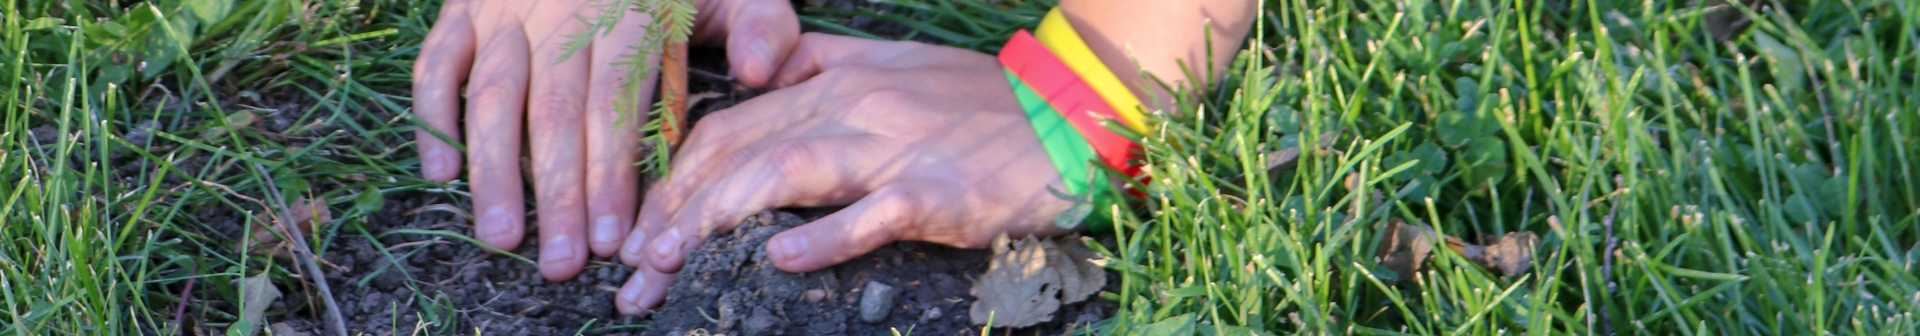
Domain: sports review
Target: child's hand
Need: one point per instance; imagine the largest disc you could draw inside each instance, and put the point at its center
(925, 142)
(506, 53)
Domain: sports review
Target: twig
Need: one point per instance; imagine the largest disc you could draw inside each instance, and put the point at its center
(304, 255)
(180, 313)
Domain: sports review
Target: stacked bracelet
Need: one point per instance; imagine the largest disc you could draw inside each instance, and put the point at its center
(1068, 150)
(1058, 35)
(1071, 96)
(1067, 93)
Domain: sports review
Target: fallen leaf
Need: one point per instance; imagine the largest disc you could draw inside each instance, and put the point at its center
(303, 213)
(1080, 269)
(256, 293)
(1018, 289)
(1405, 249)
(1512, 255)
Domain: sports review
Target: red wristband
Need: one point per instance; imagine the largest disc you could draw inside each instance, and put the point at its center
(1072, 97)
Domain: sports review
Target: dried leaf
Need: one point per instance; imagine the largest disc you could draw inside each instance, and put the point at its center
(1404, 249)
(1018, 289)
(1512, 255)
(256, 293)
(304, 213)
(1080, 269)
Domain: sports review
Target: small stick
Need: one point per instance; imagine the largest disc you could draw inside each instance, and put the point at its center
(304, 255)
(180, 313)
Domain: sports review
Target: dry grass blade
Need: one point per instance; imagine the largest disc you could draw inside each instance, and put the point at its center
(304, 255)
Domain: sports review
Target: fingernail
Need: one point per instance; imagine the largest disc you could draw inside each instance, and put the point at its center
(493, 222)
(431, 164)
(558, 248)
(606, 229)
(664, 246)
(787, 248)
(631, 293)
(632, 248)
(762, 51)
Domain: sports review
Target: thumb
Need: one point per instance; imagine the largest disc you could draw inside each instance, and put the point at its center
(758, 35)
(876, 220)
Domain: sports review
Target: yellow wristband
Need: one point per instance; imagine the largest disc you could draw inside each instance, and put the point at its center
(1060, 38)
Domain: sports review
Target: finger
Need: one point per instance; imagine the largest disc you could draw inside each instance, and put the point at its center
(717, 136)
(614, 117)
(759, 34)
(810, 172)
(645, 290)
(894, 212)
(497, 96)
(444, 59)
(556, 110)
(817, 52)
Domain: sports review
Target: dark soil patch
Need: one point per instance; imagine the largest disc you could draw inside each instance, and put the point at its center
(729, 287)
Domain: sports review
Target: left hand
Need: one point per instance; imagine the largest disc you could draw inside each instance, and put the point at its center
(925, 142)
(507, 56)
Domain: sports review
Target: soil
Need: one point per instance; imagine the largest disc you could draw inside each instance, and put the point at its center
(404, 284)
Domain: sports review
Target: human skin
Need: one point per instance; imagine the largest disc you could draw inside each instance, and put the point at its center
(920, 142)
(506, 56)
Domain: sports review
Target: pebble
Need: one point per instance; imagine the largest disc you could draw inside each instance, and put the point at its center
(930, 315)
(876, 302)
(815, 295)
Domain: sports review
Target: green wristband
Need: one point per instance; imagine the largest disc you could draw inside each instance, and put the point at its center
(1072, 156)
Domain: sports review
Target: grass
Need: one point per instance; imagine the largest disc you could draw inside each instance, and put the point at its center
(1681, 184)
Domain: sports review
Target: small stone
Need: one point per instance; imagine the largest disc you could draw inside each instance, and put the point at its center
(815, 295)
(1087, 318)
(876, 302)
(930, 314)
(282, 329)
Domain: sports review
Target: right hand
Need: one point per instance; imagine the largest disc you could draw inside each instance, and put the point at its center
(920, 142)
(505, 55)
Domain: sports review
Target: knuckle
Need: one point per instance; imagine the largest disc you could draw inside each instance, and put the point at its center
(491, 93)
(556, 102)
(554, 110)
(882, 99)
(790, 160)
(736, 160)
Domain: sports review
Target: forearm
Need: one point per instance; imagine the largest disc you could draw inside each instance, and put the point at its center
(1158, 36)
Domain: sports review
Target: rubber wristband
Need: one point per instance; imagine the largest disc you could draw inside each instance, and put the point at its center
(1069, 152)
(1058, 35)
(1077, 102)
(1065, 146)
